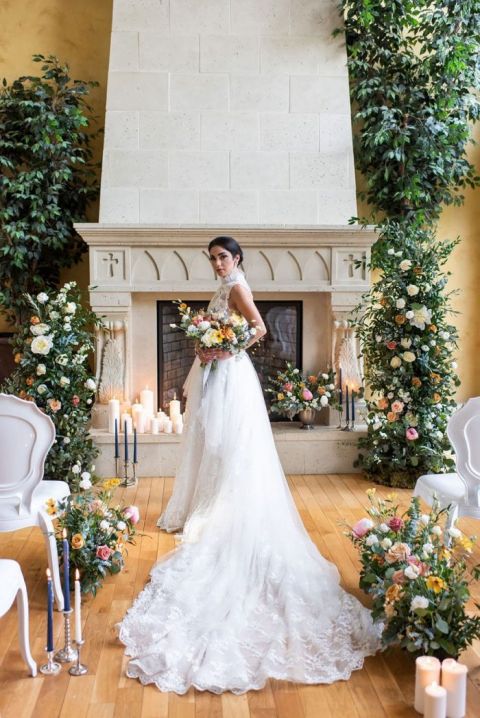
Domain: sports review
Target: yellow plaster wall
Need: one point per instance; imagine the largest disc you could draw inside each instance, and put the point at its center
(78, 31)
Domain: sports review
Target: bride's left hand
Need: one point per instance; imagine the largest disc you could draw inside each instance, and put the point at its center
(219, 354)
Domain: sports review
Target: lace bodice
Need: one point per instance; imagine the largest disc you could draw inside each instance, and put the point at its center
(219, 301)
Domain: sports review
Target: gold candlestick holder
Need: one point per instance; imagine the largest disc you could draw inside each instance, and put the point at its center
(67, 654)
(128, 480)
(51, 667)
(78, 669)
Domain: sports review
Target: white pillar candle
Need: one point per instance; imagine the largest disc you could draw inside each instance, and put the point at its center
(155, 425)
(126, 419)
(78, 610)
(178, 426)
(148, 423)
(435, 701)
(454, 680)
(427, 670)
(146, 400)
(138, 417)
(113, 413)
(174, 408)
(168, 426)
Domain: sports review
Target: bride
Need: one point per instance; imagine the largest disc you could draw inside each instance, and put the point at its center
(246, 596)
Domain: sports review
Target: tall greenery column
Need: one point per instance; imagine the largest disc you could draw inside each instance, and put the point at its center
(414, 69)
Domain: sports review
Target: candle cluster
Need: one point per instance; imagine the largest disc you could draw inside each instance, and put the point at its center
(346, 398)
(66, 596)
(443, 697)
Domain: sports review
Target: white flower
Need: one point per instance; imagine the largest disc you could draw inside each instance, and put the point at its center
(42, 298)
(324, 400)
(427, 548)
(42, 388)
(203, 326)
(418, 602)
(104, 525)
(454, 365)
(41, 345)
(425, 348)
(89, 401)
(433, 343)
(173, 326)
(425, 519)
(390, 251)
(66, 439)
(70, 308)
(296, 371)
(395, 362)
(121, 526)
(86, 475)
(371, 540)
(191, 328)
(378, 338)
(67, 327)
(454, 532)
(409, 357)
(384, 528)
(62, 359)
(210, 338)
(409, 314)
(64, 381)
(61, 298)
(421, 316)
(400, 303)
(38, 329)
(386, 543)
(41, 369)
(53, 314)
(412, 290)
(90, 385)
(406, 342)
(405, 265)
(412, 572)
(330, 387)
(437, 531)
(85, 484)
(76, 469)
(325, 376)
(390, 395)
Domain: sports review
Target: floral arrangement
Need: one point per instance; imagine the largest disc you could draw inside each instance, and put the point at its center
(294, 391)
(228, 331)
(415, 570)
(97, 531)
(51, 353)
(408, 340)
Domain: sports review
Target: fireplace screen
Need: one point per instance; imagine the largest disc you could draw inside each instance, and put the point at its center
(282, 343)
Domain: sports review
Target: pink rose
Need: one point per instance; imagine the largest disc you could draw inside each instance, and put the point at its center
(75, 400)
(132, 514)
(415, 561)
(398, 577)
(397, 406)
(395, 523)
(288, 386)
(391, 345)
(104, 552)
(411, 433)
(54, 404)
(362, 527)
(307, 394)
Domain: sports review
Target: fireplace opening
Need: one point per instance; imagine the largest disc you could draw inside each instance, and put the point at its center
(283, 342)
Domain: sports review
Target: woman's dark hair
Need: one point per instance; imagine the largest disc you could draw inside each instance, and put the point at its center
(228, 243)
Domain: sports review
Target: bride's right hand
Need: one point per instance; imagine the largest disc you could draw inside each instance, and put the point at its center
(205, 355)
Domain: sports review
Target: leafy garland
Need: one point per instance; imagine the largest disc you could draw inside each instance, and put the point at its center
(413, 68)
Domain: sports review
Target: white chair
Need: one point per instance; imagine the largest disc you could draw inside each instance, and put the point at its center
(461, 490)
(13, 587)
(26, 435)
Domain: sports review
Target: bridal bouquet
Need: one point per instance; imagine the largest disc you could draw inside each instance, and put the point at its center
(415, 570)
(294, 391)
(227, 331)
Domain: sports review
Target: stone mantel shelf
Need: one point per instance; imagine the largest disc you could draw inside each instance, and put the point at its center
(99, 234)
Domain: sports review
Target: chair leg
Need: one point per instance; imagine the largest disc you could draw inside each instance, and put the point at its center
(451, 516)
(52, 552)
(23, 628)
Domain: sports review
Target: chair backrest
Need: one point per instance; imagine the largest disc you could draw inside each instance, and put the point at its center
(26, 435)
(464, 433)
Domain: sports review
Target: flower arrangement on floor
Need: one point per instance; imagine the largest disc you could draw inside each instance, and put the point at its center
(294, 391)
(415, 570)
(97, 530)
(229, 332)
(51, 354)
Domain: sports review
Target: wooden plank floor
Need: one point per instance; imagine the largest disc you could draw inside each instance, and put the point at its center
(383, 689)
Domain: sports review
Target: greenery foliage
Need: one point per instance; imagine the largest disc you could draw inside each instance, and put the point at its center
(47, 179)
(51, 354)
(414, 68)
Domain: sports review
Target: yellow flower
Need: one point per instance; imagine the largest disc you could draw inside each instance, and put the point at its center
(445, 554)
(371, 492)
(77, 541)
(393, 593)
(182, 306)
(435, 583)
(51, 505)
(280, 396)
(464, 543)
(392, 496)
(18, 358)
(110, 484)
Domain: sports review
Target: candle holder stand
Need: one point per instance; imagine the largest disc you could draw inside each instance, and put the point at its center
(78, 669)
(128, 480)
(117, 466)
(340, 417)
(51, 667)
(67, 654)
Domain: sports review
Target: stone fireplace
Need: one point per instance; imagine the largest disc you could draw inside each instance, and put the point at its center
(225, 117)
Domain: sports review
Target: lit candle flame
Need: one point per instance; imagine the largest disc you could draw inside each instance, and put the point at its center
(49, 575)
(64, 533)
(77, 575)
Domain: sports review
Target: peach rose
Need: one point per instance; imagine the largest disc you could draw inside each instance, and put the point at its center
(34, 319)
(55, 405)
(393, 592)
(400, 319)
(391, 416)
(77, 541)
(382, 403)
(398, 552)
(416, 382)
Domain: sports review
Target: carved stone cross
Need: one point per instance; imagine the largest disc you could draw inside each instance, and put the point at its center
(112, 262)
(351, 260)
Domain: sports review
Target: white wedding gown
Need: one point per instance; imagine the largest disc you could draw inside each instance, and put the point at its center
(246, 596)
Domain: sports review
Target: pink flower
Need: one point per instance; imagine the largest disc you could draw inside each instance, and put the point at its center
(132, 514)
(397, 406)
(307, 394)
(411, 433)
(288, 386)
(55, 405)
(395, 523)
(398, 577)
(104, 552)
(422, 567)
(75, 400)
(391, 344)
(362, 527)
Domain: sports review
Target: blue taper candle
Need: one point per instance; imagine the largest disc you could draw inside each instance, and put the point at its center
(135, 459)
(49, 611)
(340, 388)
(117, 452)
(347, 403)
(125, 441)
(353, 405)
(66, 572)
